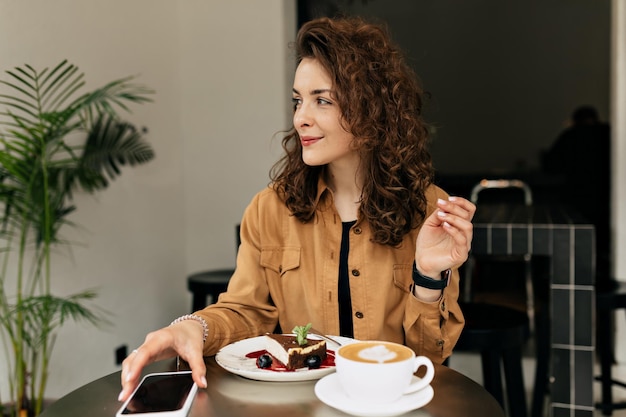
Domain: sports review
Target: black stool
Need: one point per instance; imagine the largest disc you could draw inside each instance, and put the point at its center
(207, 283)
(498, 333)
(607, 301)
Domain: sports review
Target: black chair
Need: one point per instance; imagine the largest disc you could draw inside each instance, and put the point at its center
(498, 321)
(608, 300)
(210, 283)
(498, 333)
(515, 291)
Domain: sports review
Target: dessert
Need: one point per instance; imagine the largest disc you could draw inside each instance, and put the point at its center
(296, 351)
(285, 349)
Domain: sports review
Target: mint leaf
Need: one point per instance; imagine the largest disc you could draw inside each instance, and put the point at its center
(301, 333)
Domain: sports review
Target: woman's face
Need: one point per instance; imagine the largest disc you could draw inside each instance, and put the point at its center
(317, 117)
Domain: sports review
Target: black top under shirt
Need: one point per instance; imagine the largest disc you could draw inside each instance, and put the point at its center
(345, 302)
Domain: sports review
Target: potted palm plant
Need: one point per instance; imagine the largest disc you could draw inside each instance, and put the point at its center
(54, 141)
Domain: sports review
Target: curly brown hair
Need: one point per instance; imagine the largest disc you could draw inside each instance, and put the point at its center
(381, 104)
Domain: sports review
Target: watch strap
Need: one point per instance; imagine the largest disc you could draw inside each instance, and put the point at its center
(430, 283)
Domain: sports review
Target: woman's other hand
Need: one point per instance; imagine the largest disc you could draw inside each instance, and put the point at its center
(446, 237)
(184, 339)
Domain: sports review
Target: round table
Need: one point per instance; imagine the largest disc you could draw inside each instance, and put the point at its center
(233, 396)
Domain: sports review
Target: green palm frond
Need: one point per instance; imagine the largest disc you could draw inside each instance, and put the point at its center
(46, 99)
(110, 145)
(37, 93)
(45, 313)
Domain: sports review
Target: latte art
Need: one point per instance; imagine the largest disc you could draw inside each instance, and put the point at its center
(378, 353)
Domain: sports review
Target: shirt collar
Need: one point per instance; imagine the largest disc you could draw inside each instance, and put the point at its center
(322, 188)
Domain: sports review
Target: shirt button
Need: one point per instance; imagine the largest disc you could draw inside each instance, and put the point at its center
(359, 315)
(357, 230)
(439, 342)
(356, 272)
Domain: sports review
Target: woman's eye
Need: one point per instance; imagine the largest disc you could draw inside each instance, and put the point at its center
(323, 101)
(296, 102)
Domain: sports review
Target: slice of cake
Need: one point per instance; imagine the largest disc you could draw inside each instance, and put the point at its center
(287, 350)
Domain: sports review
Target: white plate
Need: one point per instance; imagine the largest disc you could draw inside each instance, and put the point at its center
(330, 393)
(233, 359)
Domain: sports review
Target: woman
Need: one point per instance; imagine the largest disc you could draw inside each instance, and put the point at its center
(351, 236)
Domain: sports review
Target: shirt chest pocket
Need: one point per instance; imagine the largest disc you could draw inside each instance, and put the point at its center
(280, 260)
(403, 277)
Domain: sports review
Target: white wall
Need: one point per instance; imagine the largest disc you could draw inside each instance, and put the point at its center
(618, 122)
(236, 86)
(219, 68)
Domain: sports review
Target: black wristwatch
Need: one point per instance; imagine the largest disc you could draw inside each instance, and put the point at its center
(431, 284)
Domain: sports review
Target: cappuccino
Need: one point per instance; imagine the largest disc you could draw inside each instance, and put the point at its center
(378, 372)
(376, 352)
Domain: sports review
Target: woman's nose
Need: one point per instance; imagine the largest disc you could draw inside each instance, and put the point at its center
(302, 117)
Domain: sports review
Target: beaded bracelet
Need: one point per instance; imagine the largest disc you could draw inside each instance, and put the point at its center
(205, 327)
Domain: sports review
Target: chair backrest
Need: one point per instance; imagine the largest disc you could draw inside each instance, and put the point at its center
(503, 191)
(511, 184)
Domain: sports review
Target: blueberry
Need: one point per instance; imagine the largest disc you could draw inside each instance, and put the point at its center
(264, 361)
(313, 362)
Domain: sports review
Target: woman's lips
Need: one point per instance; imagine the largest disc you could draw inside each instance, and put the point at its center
(309, 140)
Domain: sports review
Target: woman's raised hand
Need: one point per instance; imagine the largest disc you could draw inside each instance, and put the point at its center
(445, 238)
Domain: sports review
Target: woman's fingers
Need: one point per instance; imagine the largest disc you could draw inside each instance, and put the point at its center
(457, 214)
(184, 339)
(458, 206)
(446, 236)
(131, 371)
(158, 345)
(198, 370)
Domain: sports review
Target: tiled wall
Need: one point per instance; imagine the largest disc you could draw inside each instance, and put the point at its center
(570, 247)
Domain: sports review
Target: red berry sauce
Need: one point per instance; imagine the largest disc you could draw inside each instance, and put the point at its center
(277, 366)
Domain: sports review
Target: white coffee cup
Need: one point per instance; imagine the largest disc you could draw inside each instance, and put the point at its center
(378, 372)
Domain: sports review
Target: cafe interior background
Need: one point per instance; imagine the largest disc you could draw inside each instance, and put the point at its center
(504, 76)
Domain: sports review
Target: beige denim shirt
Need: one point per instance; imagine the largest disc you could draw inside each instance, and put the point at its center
(287, 275)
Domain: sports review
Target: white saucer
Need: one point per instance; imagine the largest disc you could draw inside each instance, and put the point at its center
(330, 393)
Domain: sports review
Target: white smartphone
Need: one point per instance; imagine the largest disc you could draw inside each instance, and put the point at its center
(165, 394)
